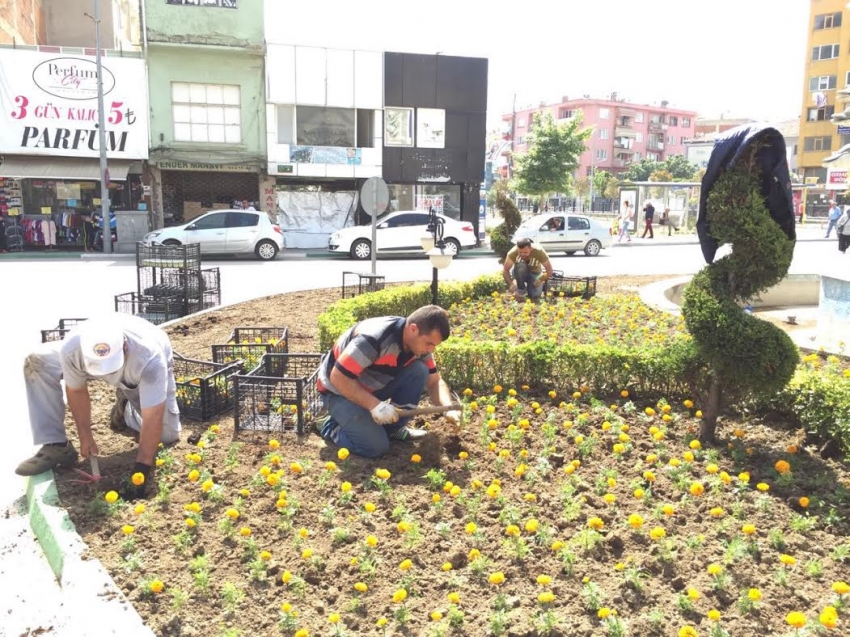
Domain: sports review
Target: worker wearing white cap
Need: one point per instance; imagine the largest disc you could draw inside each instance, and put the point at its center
(125, 351)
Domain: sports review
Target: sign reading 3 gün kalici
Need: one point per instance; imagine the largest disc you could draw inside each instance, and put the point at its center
(48, 105)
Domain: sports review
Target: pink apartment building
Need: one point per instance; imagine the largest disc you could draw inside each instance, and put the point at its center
(623, 133)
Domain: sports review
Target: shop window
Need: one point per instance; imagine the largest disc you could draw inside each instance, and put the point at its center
(285, 130)
(206, 113)
(444, 199)
(430, 128)
(321, 126)
(398, 126)
(365, 128)
(401, 197)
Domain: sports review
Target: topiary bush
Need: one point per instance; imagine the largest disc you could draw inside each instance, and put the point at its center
(500, 236)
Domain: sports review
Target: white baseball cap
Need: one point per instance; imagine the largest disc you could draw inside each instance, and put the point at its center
(102, 345)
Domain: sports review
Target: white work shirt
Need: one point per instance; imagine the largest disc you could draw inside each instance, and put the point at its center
(148, 371)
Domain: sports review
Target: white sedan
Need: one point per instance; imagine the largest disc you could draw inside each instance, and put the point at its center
(226, 232)
(400, 233)
(562, 232)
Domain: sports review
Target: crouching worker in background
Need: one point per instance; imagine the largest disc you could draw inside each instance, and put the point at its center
(375, 364)
(124, 351)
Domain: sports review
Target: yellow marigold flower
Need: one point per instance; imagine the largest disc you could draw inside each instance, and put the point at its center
(454, 598)
(271, 480)
(207, 485)
(530, 497)
(715, 569)
(804, 502)
(639, 493)
(435, 498)
(156, 586)
(497, 389)
(245, 531)
(546, 597)
(512, 530)
(557, 545)
(416, 458)
(345, 487)
(635, 521)
(383, 474)
(405, 565)
(609, 498)
(372, 541)
(463, 455)
(286, 577)
(233, 514)
(828, 617)
(381, 622)
(693, 594)
(674, 462)
(296, 467)
(649, 476)
(738, 433)
(447, 566)
(725, 477)
(274, 444)
(651, 458)
(649, 411)
(306, 554)
(619, 448)
(595, 523)
(265, 471)
(698, 414)
(471, 528)
(403, 526)
(333, 618)
(275, 460)
(369, 507)
(787, 559)
(689, 404)
(474, 554)
(695, 445)
(468, 392)
(139, 509)
(265, 556)
(712, 468)
(754, 594)
(493, 491)
(531, 526)
(716, 512)
(160, 462)
(330, 465)
(496, 578)
(744, 477)
(795, 619)
(688, 631)
(455, 491)
(190, 523)
(697, 489)
(714, 615)
(361, 587)
(624, 393)
(436, 616)
(658, 533)
(399, 596)
(782, 466)
(842, 588)
(138, 478)
(603, 613)
(342, 454)
(688, 456)
(303, 533)
(244, 493)
(748, 529)
(612, 482)
(194, 475)
(792, 449)
(128, 529)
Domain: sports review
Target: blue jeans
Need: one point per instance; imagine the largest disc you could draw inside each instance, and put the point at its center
(526, 279)
(352, 427)
(831, 225)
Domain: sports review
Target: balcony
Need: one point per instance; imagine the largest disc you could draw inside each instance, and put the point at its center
(654, 146)
(622, 131)
(626, 111)
(623, 148)
(656, 127)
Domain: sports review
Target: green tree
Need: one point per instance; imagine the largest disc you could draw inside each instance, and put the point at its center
(582, 186)
(680, 168)
(661, 175)
(548, 165)
(500, 236)
(601, 179)
(642, 170)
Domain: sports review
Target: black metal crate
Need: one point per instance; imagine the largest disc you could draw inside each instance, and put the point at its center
(58, 333)
(274, 403)
(250, 344)
(204, 389)
(354, 283)
(156, 310)
(571, 286)
(184, 257)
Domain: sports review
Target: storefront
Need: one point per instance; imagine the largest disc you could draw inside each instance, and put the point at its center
(444, 199)
(50, 177)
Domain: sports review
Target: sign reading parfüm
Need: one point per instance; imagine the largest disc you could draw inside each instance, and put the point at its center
(71, 78)
(221, 4)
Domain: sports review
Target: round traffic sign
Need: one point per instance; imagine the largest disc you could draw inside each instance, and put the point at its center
(374, 196)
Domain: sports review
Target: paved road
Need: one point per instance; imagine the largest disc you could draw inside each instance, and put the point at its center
(36, 293)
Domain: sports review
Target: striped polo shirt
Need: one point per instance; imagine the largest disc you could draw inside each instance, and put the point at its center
(372, 351)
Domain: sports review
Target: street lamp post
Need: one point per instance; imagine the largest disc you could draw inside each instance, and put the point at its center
(435, 248)
(101, 132)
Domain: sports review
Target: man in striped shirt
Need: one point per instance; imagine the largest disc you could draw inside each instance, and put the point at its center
(377, 362)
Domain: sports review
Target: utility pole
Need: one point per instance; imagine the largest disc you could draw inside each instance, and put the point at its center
(513, 141)
(101, 125)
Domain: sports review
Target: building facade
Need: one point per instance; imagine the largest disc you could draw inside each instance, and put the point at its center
(623, 133)
(827, 70)
(22, 22)
(207, 105)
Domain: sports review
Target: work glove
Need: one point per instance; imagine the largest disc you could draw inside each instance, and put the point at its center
(512, 288)
(130, 491)
(454, 417)
(384, 413)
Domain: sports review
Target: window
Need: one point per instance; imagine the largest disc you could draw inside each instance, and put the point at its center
(825, 52)
(686, 122)
(398, 126)
(639, 117)
(671, 139)
(639, 138)
(520, 140)
(604, 113)
(813, 144)
(820, 114)
(566, 113)
(206, 113)
(212, 222)
(577, 223)
(521, 122)
(602, 154)
(673, 120)
(652, 156)
(636, 156)
(827, 21)
(603, 133)
(822, 82)
(322, 126)
(430, 128)
(242, 219)
(285, 124)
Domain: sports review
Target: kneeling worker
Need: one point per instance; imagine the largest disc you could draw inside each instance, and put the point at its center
(523, 269)
(124, 351)
(377, 362)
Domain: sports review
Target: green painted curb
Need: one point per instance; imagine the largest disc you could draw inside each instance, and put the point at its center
(55, 532)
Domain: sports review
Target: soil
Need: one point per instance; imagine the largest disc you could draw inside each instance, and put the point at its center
(630, 570)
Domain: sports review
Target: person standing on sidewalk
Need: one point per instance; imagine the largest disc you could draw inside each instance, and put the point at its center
(375, 363)
(843, 229)
(625, 219)
(834, 216)
(648, 216)
(124, 351)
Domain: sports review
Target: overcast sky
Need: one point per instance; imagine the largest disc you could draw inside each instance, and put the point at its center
(744, 58)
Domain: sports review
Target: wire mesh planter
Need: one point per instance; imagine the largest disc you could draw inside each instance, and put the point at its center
(156, 310)
(354, 283)
(204, 389)
(59, 332)
(183, 257)
(272, 403)
(250, 344)
(570, 286)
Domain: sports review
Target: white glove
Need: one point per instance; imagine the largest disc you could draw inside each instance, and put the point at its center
(384, 413)
(453, 417)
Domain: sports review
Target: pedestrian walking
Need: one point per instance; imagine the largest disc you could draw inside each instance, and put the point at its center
(834, 216)
(625, 219)
(843, 228)
(648, 216)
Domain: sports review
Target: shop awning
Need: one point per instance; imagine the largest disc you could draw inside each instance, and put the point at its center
(18, 167)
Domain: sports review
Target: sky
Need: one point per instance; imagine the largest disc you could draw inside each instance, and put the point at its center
(741, 58)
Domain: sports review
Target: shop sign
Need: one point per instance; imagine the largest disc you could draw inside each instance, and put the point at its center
(204, 167)
(836, 179)
(221, 4)
(426, 202)
(48, 105)
(325, 155)
(285, 169)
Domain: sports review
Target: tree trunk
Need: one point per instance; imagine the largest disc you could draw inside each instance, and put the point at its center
(708, 426)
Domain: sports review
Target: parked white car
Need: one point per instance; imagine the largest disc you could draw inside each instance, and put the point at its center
(226, 232)
(400, 233)
(562, 232)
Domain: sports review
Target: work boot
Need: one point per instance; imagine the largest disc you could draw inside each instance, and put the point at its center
(116, 417)
(408, 434)
(48, 457)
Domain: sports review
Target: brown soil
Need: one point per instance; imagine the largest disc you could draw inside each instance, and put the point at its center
(337, 528)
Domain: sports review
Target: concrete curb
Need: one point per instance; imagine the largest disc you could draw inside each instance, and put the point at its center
(83, 578)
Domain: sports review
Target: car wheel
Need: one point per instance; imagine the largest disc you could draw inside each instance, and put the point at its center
(361, 249)
(592, 248)
(266, 250)
(171, 242)
(452, 246)
(570, 253)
